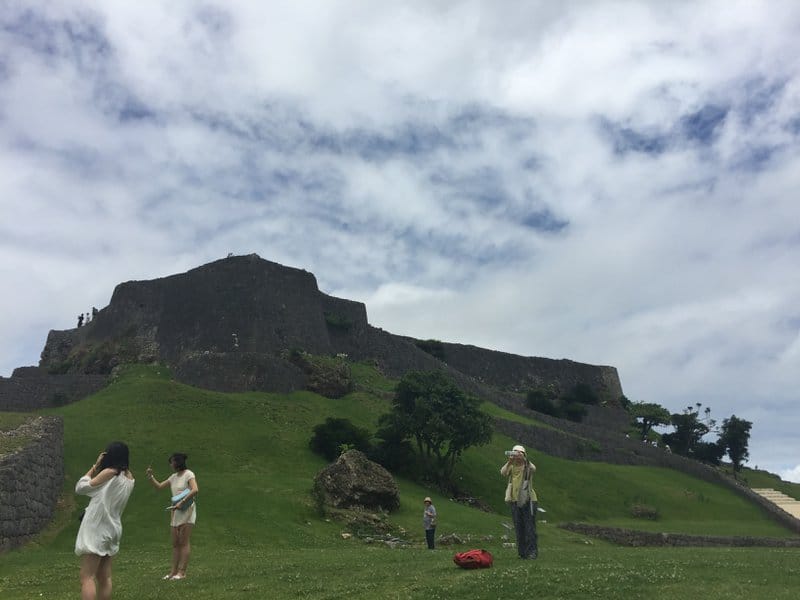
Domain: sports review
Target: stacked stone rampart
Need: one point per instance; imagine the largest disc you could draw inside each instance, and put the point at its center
(521, 373)
(30, 480)
(31, 388)
(239, 372)
(245, 305)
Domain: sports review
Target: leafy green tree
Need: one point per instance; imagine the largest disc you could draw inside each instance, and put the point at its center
(734, 439)
(647, 415)
(442, 421)
(433, 347)
(334, 434)
(708, 452)
(690, 428)
(395, 452)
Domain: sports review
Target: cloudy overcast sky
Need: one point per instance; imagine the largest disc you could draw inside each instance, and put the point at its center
(610, 182)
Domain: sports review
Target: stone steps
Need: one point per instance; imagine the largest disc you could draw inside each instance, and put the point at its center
(787, 503)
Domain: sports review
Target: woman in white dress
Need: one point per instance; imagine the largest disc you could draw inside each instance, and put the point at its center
(184, 512)
(109, 484)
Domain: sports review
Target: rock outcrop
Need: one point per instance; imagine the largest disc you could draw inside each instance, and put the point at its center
(354, 481)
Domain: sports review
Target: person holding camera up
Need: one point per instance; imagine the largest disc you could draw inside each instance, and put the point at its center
(109, 484)
(521, 496)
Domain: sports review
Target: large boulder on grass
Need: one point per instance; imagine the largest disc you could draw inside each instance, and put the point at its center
(355, 481)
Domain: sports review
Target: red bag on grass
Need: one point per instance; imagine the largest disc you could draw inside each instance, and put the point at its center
(473, 559)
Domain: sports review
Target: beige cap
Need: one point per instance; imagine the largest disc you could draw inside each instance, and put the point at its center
(427, 499)
(519, 448)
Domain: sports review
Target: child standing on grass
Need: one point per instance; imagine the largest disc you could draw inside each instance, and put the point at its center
(184, 512)
(109, 484)
(429, 522)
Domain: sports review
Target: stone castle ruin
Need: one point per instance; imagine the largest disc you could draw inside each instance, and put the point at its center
(238, 324)
(247, 324)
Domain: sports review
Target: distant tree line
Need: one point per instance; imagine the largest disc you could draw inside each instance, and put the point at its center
(690, 427)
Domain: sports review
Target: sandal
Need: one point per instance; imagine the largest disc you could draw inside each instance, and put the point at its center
(167, 576)
(176, 577)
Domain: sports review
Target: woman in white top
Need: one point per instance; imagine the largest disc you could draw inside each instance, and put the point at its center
(184, 512)
(109, 484)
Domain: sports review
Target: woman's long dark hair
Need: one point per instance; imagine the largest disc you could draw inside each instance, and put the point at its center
(116, 457)
(179, 458)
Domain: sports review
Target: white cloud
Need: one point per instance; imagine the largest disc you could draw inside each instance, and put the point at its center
(538, 178)
(791, 474)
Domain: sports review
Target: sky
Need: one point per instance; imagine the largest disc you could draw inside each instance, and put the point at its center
(609, 181)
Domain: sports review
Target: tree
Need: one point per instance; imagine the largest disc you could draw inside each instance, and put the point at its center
(689, 429)
(330, 436)
(708, 452)
(734, 439)
(443, 421)
(647, 415)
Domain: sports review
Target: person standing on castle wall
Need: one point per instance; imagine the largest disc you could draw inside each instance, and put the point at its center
(521, 497)
(80, 320)
(429, 522)
(109, 484)
(184, 512)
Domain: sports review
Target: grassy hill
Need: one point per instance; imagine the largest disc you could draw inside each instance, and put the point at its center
(259, 536)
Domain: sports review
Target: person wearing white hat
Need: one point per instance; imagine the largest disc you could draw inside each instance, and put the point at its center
(429, 521)
(522, 499)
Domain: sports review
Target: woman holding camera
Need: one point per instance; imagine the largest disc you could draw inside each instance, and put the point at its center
(109, 484)
(184, 512)
(521, 496)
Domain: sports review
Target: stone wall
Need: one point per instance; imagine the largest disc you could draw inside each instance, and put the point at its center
(239, 372)
(31, 388)
(30, 480)
(245, 304)
(630, 537)
(521, 373)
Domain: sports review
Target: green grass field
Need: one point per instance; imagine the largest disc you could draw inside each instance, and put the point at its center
(258, 534)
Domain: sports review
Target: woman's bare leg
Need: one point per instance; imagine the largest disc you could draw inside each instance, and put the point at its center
(89, 566)
(176, 550)
(185, 547)
(103, 577)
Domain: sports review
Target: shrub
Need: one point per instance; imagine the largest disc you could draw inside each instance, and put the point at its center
(336, 321)
(541, 400)
(334, 434)
(582, 393)
(395, 454)
(433, 347)
(587, 448)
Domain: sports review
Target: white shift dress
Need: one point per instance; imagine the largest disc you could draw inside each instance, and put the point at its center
(177, 483)
(101, 527)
